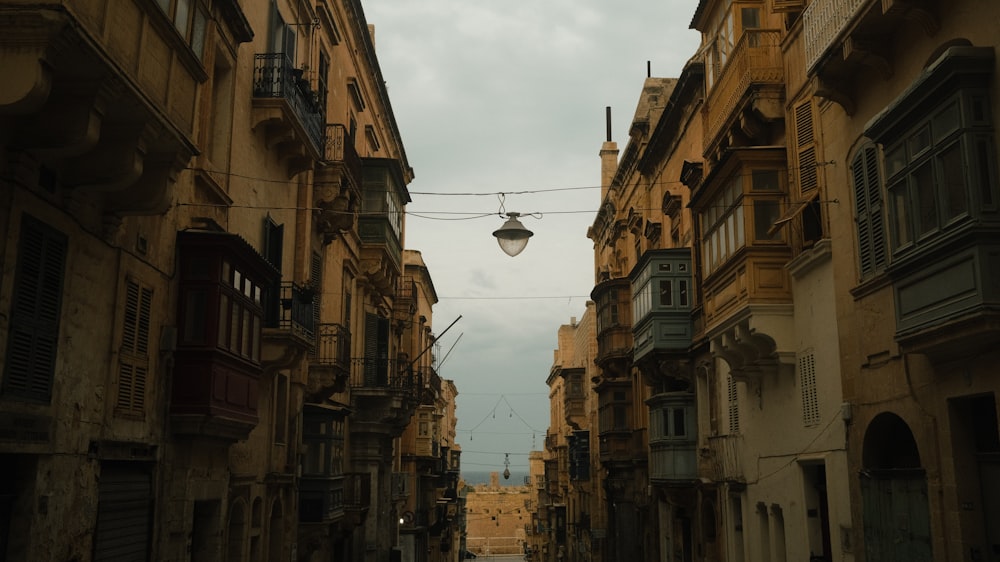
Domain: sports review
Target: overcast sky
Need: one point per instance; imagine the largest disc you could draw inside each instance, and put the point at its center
(505, 97)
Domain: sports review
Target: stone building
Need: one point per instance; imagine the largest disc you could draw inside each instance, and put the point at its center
(496, 518)
(208, 350)
(801, 369)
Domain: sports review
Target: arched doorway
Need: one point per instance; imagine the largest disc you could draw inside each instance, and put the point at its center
(894, 493)
(276, 531)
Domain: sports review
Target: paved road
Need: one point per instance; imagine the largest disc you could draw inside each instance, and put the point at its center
(500, 558)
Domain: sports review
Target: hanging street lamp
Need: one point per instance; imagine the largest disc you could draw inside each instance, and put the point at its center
(513, 236)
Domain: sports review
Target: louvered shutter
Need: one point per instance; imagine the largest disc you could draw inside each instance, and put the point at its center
(371, 349)
(133, 368)
(316, 281)
(37, 304)
(868, 210)
(805, 148)
(274, 235)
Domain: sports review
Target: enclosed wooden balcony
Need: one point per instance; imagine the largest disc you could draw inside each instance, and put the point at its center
(614, 325)
(673, 437)
(218, 365)
(749, 93)
(384, 196)
(288, 110)
(842, 36)
(662, 283)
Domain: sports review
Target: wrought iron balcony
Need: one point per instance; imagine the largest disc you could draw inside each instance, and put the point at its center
(276, 79)
(340, 150)
(291, 311)
(330, 362)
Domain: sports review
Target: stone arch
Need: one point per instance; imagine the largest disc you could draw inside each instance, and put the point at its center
(276, 532)
(236, 530)
(895, 510)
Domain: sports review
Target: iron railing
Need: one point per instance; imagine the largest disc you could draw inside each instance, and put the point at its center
(385, 374)
(333, 346)
(340, 148)
(275, 77)
(290, 308)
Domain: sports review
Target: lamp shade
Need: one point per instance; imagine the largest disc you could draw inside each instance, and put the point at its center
(512, 236)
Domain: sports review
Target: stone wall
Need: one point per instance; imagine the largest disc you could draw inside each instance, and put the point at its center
(496, 517)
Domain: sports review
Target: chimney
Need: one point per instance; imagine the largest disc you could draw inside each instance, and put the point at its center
(609, 157)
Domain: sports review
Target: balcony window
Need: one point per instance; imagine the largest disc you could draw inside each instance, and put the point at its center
(935, 171)
(221, 294)
(939, 152)
(189, 18)
(323, 437)
(721, 35)
(722, 224)
(607, 309)
(724, 228)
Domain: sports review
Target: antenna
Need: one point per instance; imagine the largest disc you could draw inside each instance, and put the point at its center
(649, 70)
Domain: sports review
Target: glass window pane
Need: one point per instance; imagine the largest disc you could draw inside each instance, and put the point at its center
(984, 170)
(750, 17)
(920, 141)
(900, 215)
(682, 290)
(234, 328)
(194, 317)
(223, 320)
(927, 204)
(765, 213)
(198, 34)
(679, 427)
(946, 121)
(895, 160)
(740, 239)
(764, 180)
(953, 181)
(666, 293)
(181, 16)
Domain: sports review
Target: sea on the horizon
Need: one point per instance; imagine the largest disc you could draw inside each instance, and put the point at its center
(517, 478)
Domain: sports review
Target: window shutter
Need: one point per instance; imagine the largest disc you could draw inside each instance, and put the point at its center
(807, 383)
(316, 281)
(371, 348)
(805, 148)
(37, 304)
(133, 359)
(868, 209)
(734, 407)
